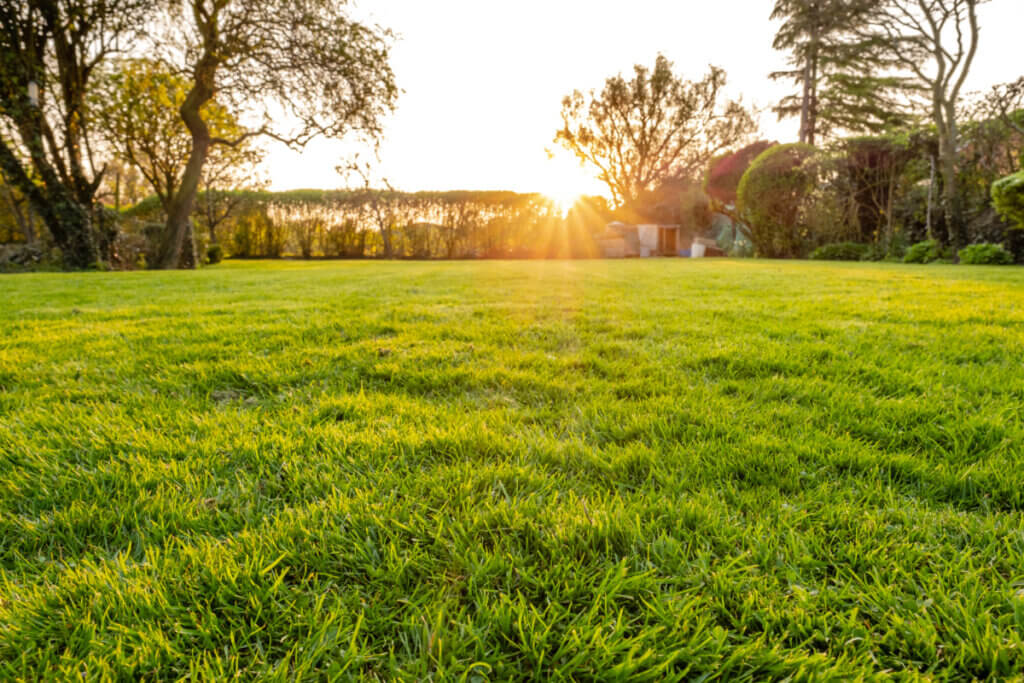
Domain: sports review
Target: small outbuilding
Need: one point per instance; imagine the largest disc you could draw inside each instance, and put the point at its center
(623, 240)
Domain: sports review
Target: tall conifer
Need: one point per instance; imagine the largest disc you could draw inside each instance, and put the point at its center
(845, 83)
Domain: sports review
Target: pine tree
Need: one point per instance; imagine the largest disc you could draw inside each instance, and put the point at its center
(842, 77)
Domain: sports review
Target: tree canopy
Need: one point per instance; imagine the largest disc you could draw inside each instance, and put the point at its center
(327, 72)
(638, 133)
(846, 81)
(135, 105)
(49, 53)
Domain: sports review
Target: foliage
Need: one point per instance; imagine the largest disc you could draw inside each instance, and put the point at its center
(1006, 101)
(722, 179)
(135, 104)
(841, 251)
(50, 51)
(346, 224)
(843, 76)
(990, 151)
(638, 133)
(928, 251)
(214, 254)
(18, 222)
(1008, 198)
(329, 74)
(985, 255)
(770, 199)
(874, 166)
(408, 471)
(935, 43)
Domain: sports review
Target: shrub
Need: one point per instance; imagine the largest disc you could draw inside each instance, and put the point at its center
(985, 255)
(214, 254)
(928, 251)
(770, 196)
(1008, 198)
(841, 251)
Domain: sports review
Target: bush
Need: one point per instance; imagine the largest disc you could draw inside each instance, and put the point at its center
(770, 198)
(841, 251)
(1008, 198)
(985, 255)
(214, 254)
(928, 251)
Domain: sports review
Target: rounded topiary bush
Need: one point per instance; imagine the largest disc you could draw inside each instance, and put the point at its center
(770, 196)
(985, 255)
(841, 251)
(1008, 197)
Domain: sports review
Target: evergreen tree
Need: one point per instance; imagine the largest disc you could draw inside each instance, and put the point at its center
(841, 75)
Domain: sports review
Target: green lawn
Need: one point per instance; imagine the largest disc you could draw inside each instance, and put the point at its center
(671, 469)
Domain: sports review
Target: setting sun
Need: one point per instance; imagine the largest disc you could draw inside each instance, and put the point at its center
(564, 199)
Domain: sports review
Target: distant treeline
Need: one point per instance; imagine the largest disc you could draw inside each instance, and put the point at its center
(369, 223)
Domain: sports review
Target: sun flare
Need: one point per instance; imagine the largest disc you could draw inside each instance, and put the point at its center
(564, 199)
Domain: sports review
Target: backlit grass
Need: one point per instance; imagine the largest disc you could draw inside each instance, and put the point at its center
(636, 470)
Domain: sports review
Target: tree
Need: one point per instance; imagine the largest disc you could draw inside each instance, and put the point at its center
(656, 126)
(873, 166)
(1007, 102)
(136, 105)
(936, 42)
(836, 70)
(725, 172)
(49, 52)
(383, 211)
(327, 73)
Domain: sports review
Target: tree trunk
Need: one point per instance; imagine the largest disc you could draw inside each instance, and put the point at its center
(805, 105)
(888, 210)
(812, 103)
(930, 231)
(69, 223)
(950, 195)
(177, 249)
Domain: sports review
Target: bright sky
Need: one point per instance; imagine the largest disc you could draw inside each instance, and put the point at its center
(483, 81)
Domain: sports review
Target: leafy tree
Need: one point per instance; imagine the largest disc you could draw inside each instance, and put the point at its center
(724, 173)
(837, 71)
(135, 106)
(640, 132)
(935, 41)
(326, 72)
(874, 166)
(49, 53)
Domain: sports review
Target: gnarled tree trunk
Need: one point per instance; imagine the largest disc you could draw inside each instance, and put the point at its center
(177, 249)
